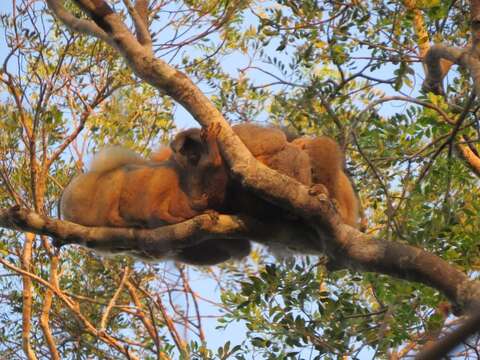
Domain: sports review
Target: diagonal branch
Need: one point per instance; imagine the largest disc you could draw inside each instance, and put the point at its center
(442, 347)
(113, 300)
(111, 24)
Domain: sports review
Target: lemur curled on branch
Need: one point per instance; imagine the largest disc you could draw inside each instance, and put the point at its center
(312, 161)
(123, 189)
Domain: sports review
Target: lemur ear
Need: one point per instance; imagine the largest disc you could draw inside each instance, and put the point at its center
(188, 145)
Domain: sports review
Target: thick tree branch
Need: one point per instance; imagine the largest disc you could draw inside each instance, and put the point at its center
(475, 16)
(361, 252)
(468, 58)
(162, 242)
(75, 24)
(423, 41)
(471, 158)
(438, 60)
(435, 72)
(355, 250)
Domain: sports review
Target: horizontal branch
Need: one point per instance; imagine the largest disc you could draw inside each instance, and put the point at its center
(162, 242)
(349, 249)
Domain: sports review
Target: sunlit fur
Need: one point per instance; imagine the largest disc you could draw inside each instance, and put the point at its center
(327, 161)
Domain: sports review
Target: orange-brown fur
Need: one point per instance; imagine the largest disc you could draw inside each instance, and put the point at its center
(315, 162)
(270, 146)
(206, 182)
(126, 190)
(161, 154)
(327, 161)
(145, 195)
(176, 184)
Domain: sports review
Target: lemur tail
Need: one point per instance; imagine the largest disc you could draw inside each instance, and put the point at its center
(113, 157)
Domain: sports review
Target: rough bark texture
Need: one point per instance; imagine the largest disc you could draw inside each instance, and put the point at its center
(353, 250)
(475, 12)
(163, 242)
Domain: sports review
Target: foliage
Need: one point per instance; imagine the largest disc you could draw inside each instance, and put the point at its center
(315, 67)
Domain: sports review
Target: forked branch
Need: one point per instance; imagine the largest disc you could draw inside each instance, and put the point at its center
(468, 57)
(75, 24)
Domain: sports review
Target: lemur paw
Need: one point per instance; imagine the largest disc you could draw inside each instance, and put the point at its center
(214, 215)
(317, 189)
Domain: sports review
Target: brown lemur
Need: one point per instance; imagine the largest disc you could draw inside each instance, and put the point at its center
(122, 189)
